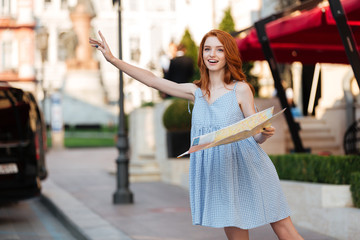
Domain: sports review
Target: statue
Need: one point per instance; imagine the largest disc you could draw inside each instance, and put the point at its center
(79, 52)
(68, 41)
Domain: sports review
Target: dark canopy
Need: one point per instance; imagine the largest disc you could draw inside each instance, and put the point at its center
(308, 36)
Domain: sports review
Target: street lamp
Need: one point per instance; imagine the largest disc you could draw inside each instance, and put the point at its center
(122, 193)
(42, 37)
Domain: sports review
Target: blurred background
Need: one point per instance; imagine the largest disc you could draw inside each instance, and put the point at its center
(69, 88)
(44, 49)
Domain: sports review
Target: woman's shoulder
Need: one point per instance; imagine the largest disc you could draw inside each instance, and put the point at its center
(192, 88)
(243, 92)
(242, 86)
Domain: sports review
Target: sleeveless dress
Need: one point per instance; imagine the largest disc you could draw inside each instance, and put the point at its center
(234, 184)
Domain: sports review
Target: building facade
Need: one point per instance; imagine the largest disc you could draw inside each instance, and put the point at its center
(17, 43)
(148, 27)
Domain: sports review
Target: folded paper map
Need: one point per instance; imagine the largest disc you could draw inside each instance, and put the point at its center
(238, 131)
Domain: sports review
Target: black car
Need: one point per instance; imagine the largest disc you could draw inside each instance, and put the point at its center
(22, 145)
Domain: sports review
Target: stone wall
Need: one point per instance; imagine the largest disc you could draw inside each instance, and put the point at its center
(325, 208)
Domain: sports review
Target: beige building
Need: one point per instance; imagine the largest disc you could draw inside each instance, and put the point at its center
(17, 43)
(148, 26)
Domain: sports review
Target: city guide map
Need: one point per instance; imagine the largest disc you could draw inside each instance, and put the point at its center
(238, 131)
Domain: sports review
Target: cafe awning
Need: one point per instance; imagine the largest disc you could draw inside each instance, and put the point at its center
(315, 31)
(308, 36)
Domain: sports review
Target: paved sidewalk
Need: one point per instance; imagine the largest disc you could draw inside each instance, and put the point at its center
(79, 190)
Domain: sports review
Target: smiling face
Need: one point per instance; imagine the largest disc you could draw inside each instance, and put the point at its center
(218, 52)
(213, 54)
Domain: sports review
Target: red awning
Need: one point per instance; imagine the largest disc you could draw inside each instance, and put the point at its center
(309, 36)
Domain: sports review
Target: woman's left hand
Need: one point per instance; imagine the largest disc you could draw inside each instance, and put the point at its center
(268, 132)
(102, 46)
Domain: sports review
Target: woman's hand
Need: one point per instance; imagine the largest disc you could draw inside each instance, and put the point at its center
(184, 90)
(102, 46)
(265, 134)
(268, 132)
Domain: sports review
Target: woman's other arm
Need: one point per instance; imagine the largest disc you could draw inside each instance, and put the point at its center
(246, 101)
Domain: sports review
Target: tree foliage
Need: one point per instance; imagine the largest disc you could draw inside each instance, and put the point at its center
(283, 4)
(191, 51)
(227, 24)
(190, 45)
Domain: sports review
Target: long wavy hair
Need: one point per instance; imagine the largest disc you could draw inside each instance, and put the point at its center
(233, 66)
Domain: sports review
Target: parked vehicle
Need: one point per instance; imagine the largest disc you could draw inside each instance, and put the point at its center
(22, 145)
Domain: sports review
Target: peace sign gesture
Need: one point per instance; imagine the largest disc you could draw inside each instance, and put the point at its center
(102, 46)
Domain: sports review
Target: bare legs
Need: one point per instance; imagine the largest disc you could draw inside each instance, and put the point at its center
(234, 233)
(284, 229)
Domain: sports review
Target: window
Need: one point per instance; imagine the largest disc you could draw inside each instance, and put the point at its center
(5, 7)
(64, 4)
(172, 5)
(135, 49)
(158, 5)
(47, 3)
(8, 51)
(134, 5)
(7, 56)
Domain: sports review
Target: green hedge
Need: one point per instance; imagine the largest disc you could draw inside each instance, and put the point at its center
(315, 168)
(321, 169)
(355, 188)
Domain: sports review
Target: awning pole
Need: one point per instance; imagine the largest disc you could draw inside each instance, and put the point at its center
(294, 127)
(313, 90)
(347, 37)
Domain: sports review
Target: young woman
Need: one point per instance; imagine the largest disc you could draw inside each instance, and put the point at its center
(233, 186)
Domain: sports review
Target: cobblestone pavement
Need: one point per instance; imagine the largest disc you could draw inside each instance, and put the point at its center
(81, 187)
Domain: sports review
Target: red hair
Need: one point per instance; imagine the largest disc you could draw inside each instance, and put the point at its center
(233, 67)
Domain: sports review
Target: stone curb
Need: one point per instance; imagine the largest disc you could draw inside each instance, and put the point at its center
(69, 225)
(83, 223)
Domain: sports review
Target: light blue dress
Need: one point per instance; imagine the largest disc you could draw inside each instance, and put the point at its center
(234, 184)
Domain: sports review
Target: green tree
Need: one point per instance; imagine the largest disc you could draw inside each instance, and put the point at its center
(252, 79)
(283, 4)
(190, 45)
(191, 51)
(228, 25)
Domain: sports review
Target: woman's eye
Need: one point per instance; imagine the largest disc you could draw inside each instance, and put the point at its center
(220, 50)
(206, 49)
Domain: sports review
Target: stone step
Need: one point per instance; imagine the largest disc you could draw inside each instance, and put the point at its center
(319, 127)
(319, 147)
(311, 123)
(144, 165)
(144, 169)
(311, 135)
(309, 120)
(141, 175)
(319, 144)
(316, 135)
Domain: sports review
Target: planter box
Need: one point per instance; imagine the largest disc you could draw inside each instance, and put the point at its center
(317, 195)
(325, 208)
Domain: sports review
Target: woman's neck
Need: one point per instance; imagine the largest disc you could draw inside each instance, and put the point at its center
(216, 79)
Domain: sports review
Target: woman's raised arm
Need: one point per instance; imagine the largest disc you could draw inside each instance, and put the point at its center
(184, 90)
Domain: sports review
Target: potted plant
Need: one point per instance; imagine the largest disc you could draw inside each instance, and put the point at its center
(177, 121)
